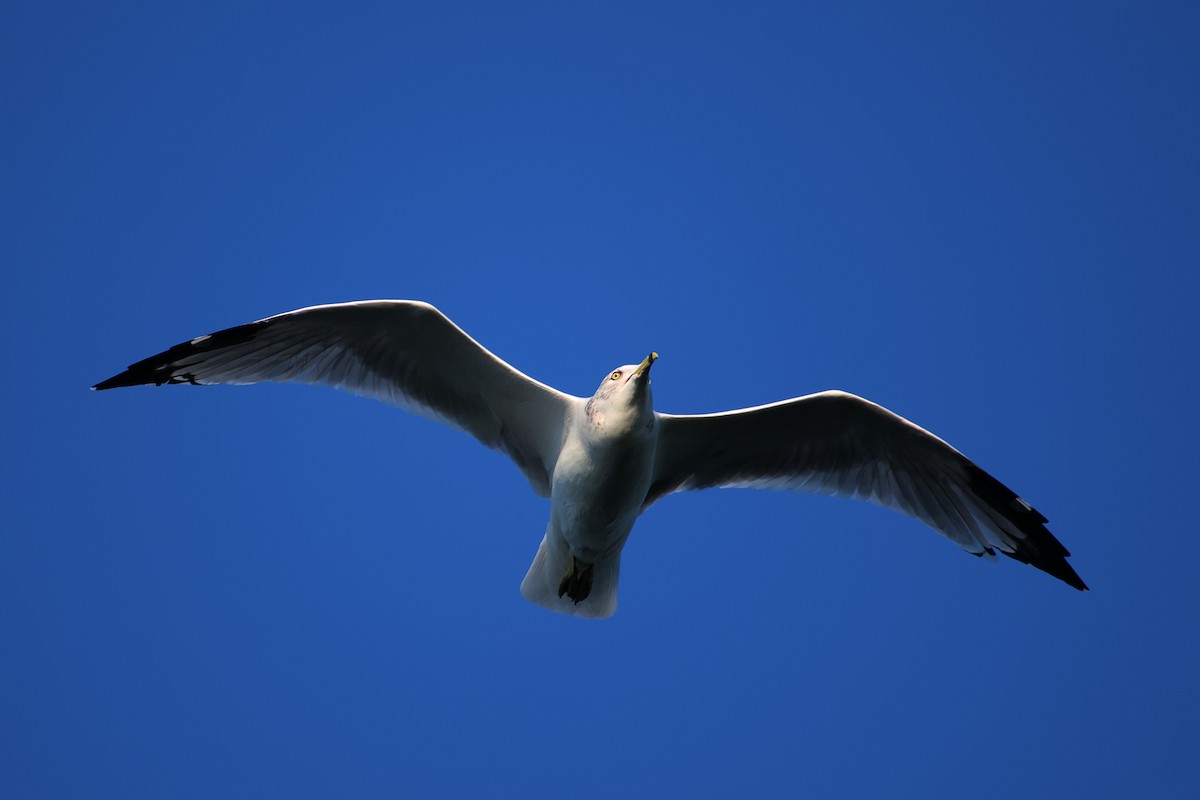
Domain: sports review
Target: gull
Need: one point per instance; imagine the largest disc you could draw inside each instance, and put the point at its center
(604, 460)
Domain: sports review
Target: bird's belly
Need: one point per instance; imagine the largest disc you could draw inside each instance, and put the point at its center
(595, 501)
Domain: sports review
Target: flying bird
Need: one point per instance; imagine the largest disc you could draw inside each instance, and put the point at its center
(604, 460)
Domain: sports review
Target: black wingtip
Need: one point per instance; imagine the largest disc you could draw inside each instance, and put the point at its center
(164, 367)
(155, 370)
(1056, 566)
(1039, 548)
(118, 381)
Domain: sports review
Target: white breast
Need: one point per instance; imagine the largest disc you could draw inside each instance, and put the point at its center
(598, 487)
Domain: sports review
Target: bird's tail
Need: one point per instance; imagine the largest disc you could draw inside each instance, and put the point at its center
(552, 567)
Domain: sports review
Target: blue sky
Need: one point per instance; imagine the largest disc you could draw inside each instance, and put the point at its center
(984, 219)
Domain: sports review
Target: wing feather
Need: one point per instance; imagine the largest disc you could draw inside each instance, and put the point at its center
(402, 352)
(839, 444)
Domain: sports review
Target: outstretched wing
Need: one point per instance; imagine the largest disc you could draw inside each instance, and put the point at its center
(400, 351)
(839, 444)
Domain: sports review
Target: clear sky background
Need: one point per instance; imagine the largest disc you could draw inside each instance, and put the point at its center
(984, 219)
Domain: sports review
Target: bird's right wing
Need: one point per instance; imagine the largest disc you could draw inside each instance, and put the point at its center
(400, 351)
(839, 444)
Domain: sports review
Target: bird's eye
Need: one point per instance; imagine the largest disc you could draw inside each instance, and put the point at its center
(616, 375)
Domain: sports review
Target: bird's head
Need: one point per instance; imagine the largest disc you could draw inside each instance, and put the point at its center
(625, 392)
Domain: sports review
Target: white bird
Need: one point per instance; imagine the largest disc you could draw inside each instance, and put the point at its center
(603, 460)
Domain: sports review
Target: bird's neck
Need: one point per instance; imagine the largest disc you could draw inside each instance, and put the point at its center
(604, 422)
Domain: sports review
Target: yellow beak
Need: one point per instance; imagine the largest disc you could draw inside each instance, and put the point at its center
(645, 365)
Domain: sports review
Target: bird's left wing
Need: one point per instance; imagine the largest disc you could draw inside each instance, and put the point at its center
(400, 351)
(839, 444)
